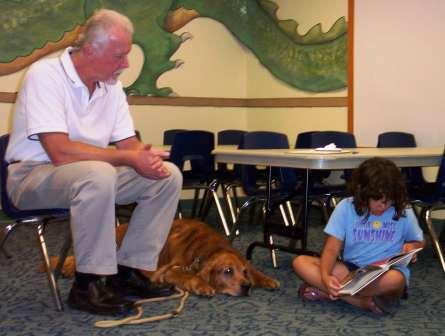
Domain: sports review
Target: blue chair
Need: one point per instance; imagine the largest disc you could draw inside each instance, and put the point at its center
(38, 219)
(195, 147)
(429, 198)
(169, 135)
(230, 179)
(230, 137)
(272, 189)
(412, 175)
(327, 194)
(304, 141)
(341, 139)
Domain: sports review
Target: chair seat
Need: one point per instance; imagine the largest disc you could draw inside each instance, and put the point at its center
(24, 214)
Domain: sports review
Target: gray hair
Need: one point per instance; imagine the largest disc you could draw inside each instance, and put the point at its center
(98, 28)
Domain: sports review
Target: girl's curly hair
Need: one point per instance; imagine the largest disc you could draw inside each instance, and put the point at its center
(375, 179)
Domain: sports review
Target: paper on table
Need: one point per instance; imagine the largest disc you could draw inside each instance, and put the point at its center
(318, 152)
(329, 148)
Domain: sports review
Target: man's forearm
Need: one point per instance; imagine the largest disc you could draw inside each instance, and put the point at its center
(61, 151)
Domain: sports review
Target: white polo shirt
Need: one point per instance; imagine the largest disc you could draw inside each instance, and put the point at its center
(54, 99)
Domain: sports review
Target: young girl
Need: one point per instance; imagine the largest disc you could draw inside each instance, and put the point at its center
(372, 225)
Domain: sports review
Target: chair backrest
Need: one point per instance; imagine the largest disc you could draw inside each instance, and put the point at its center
(230, 137)
(196, 147)
(396, 139)
(8, 208)
(264, 140)
(169, 135)
(251, 175)
(304, 139)
(4, 140)
(341, 139)
(413, 175)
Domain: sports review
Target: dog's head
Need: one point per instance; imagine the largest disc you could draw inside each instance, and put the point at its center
(227, 273)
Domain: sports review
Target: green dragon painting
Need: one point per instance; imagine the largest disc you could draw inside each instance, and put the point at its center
(315, 62)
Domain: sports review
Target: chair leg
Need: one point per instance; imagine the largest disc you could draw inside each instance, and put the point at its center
(434, 238)
(235, 197)
(213, 189)
(226, 194)
(4, 236)
(273, 253)
(204, 208)
(284, 215)
(50, 274)
(291, 213)
(179, 210)
(195, 203)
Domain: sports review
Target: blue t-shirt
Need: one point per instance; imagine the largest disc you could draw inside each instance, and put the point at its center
(368, 240)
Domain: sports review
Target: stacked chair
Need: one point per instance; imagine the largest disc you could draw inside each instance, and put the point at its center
(413, 175)
(169, 135)
(230, 179)
(195, 148)
(282, 183)
(319, 192)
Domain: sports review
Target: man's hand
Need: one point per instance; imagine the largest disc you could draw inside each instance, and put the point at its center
(149, 163)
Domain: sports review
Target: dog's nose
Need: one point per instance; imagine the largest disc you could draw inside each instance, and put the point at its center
(245, 289)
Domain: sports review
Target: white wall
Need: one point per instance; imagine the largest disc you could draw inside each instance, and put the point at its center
(399, 71)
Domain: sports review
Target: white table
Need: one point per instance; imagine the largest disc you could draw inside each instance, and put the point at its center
(310, 159)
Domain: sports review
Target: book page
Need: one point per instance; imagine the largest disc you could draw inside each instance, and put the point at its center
(361, 277)
(402, 259)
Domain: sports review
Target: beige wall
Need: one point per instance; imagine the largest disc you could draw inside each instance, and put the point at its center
(217, 65)
(399, 71)
(398, 82)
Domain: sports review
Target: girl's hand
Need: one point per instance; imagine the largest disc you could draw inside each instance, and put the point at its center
(332, 285)
(411, 246)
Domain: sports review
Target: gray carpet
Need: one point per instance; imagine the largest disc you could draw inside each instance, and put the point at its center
(26, 307)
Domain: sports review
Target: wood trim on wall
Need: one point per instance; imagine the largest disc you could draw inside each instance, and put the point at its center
(351, 66)
(10, 97)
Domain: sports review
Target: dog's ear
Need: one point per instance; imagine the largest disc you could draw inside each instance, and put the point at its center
(207, 272)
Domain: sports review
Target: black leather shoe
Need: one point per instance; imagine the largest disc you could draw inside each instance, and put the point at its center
(99, 298)
(130, 282)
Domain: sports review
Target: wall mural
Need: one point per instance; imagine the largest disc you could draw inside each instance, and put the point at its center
(313, 62)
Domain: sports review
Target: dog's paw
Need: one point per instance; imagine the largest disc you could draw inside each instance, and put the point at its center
(272, 284)
(69, 267)
(199, 287)
(266, 282)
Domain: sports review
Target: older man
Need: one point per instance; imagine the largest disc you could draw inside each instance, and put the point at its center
(68, 111)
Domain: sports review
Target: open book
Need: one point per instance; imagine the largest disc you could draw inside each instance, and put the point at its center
(362, 277)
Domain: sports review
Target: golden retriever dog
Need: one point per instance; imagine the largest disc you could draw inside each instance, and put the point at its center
(200, 260)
